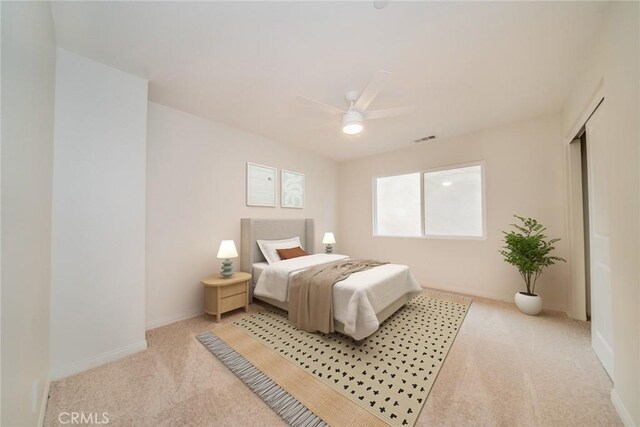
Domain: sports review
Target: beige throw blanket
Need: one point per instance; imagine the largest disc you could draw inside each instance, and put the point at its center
(311, 293)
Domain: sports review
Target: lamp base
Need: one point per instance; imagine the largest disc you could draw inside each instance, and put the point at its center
(328, 249)
(227, 268)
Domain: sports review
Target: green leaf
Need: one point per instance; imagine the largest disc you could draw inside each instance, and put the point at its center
(527, 249)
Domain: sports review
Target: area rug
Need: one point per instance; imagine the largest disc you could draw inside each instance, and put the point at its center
(313, 379)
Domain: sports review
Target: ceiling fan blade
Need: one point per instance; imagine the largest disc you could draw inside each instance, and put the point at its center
(391, 112)
(372, 90)
(325, 107)
(332, 124)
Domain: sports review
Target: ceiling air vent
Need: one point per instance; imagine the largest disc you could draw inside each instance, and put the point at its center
(426, 138)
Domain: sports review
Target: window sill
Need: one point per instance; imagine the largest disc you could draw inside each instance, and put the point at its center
(433, 237)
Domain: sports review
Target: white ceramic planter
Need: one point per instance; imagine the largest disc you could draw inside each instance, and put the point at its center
(529, 304)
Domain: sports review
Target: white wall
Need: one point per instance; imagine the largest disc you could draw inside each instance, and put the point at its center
(196, 175)
(28, 70)
(98, 241)
(615, 61)
(523, 175)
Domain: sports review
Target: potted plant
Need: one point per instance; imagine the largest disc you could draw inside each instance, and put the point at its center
(529, 250)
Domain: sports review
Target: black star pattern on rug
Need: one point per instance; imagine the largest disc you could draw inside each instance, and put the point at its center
(390, 373)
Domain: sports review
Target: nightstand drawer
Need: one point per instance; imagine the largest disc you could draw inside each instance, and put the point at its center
(234, 289)
(235, 301)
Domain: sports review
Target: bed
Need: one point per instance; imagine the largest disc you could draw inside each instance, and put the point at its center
(360, 303)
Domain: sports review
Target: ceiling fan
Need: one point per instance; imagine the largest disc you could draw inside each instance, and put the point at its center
(354, 116)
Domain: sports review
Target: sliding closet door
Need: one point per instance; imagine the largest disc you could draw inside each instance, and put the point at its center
(598, 183)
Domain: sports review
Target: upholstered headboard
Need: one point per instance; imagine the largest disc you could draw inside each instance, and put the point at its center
(254, 229)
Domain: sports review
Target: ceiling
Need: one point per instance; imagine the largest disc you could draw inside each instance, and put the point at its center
(466, 65)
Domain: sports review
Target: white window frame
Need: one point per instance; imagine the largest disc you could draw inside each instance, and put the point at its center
(422, 173)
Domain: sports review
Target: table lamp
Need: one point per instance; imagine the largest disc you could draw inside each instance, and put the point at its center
(328, 240)
(227, 250)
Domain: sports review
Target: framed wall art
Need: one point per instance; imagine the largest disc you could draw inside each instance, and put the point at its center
(292, 190)
(261, 185)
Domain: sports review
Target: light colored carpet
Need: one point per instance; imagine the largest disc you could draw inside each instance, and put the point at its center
(504, 369)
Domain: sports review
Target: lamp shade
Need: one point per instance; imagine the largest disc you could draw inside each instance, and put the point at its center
(328, 239)
(227, 250)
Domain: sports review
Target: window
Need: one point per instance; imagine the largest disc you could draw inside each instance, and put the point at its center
(445, 202)
(453, 202)
(398, 205)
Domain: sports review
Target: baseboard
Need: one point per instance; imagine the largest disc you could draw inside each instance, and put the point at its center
(43, 403)
(94, 361)
(172, 319)
(490, 295)
(625, 416)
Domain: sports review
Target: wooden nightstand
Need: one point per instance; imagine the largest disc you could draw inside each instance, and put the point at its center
(222, 295)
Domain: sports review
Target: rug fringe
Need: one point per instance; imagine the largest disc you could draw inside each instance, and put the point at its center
(442, 294)
(286, 406)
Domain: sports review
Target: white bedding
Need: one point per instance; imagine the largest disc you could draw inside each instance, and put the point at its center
(356, 300)
(258, 268)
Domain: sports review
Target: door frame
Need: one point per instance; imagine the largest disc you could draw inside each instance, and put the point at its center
(574, 213)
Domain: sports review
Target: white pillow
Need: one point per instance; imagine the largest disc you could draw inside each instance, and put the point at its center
(269, 247)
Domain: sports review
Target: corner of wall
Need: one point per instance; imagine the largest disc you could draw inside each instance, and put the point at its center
(158, 323)
(622, 411)
(43, 402)
(75, 367)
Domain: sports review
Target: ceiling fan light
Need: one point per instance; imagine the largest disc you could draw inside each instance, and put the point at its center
(352, 128)
(352, 122)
